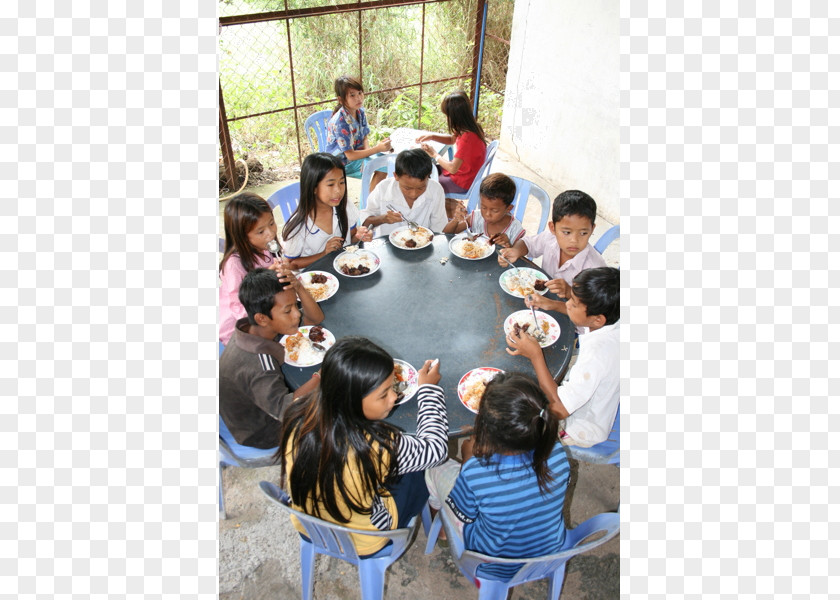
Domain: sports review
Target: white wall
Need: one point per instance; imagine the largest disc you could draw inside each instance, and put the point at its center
(561, 112)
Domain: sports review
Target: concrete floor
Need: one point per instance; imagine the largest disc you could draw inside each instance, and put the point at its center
(258, 548)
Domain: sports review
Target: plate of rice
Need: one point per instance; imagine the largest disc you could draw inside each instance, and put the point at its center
(320, 284)
(526, 283)
(523, 321)
(472, 384)
(359, 263)
(411, 240)
(405, 378)
(464, 248)
(299, 350)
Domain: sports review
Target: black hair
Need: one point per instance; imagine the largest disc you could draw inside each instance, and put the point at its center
(599, 289)
(414, 163)
(498, 186)
(344, 84)
(573, 202)
(514, 418)
(242, 212)
(459, 116)
(327, 432)
(257, 291)
(315, 167)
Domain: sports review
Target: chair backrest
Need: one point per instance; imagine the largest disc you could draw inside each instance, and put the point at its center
(287, 198)
(608, 451)
(221, 244)
(608, 238)
(333, 539)
(535, 568)
(316, 129)
(377, 162)
(233, 453)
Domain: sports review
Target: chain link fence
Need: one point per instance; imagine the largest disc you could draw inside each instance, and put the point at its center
(278, 60)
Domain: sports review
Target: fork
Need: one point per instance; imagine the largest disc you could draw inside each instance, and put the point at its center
(411, 224)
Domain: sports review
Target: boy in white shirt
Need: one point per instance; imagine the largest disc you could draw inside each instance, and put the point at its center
(412, 192)
(588, 397)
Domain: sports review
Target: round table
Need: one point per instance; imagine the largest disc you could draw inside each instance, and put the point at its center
(417, 308)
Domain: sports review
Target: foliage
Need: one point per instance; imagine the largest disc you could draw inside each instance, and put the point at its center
(256, 69)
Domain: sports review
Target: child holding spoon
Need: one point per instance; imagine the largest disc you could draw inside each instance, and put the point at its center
(493, 217)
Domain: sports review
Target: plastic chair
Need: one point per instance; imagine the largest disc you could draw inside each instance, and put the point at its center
(377, 162)
(524, 190)
(551, 566)
(605, 453)
(334, 540)
(316, 129)
(221, 244)
(237, 455)
(609, 236)
(287, 198)
(482, 173)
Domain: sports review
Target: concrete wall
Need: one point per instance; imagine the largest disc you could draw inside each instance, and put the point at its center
(561, 112)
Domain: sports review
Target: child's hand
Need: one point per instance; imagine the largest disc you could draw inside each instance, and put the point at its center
(509, 254)
(429, 372)
(333, 244)
(459, 212)
(384, 145)
(364, 234)
(392, 217)
(423, 138)
(501, 240)
(428, 150)
(523, 345)
(537, 301)
(559, 287)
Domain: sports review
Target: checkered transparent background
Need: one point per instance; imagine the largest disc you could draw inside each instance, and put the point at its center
(108, 313)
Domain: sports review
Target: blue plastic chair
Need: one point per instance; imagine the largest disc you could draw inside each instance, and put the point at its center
(609, 236)
(221, 244)
(234, 454)
(334, 540)
(287, 198)
(605, 453)
(524, 190)
(482, 173)
(316, 129)
(551, 566)
(377, 162)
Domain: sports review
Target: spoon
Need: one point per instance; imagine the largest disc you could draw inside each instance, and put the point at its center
(274, 248)
(318, 346)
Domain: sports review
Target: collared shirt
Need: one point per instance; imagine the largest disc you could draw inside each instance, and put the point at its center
(309, 239)
(429, 209)
(252, 389)
(591, 389)
(345, 132)
(545, 244)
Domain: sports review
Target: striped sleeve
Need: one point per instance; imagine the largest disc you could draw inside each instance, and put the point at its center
(268, 363)
(428, 447)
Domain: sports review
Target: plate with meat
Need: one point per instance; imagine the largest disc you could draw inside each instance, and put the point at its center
(472, 384)
(299, 349)
(523, 321)
(471, 250)
(358, 263)
(411, 240)
(320, 284)
(523, 282)
(405, 381)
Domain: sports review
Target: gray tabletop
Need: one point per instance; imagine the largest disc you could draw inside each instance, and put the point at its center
(417, 308)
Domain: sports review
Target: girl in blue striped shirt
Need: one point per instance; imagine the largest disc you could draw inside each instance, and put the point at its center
(508, 496)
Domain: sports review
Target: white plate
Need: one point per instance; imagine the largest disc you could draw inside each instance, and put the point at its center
(456, 243)
(366, 257)
(398, 237)
(317, 357)
(525, 316)
(526, 274)
(410, 373)
(330, 288)
(470, 378)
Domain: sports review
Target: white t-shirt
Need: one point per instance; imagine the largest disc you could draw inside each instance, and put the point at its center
(309, 239)
(429, 209)
(591, 389)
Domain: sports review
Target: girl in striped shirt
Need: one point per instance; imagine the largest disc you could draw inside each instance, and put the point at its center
(508, 495)
(341, 462)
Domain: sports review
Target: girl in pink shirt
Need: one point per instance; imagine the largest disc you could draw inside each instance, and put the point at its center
(249, 227)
